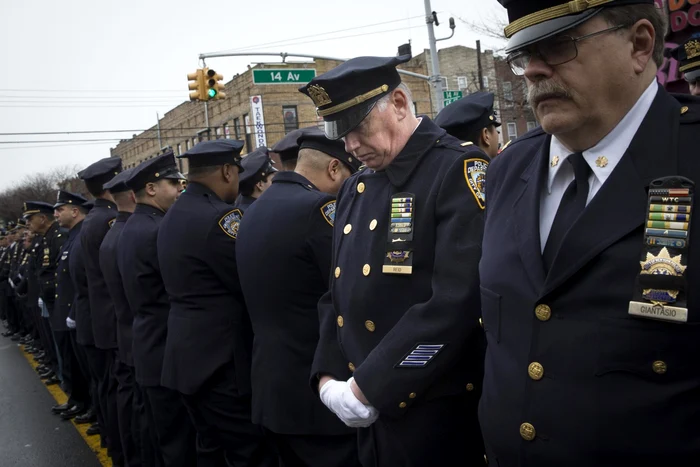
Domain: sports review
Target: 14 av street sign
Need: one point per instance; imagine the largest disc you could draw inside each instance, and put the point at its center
(283, 76)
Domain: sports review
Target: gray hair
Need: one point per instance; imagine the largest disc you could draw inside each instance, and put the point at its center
(383, 103)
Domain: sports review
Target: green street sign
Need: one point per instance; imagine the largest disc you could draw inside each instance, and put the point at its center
(447, 102)
(452, 95)
(283, 76)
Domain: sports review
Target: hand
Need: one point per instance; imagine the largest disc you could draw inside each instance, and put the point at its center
(70, 323)
(339, 398)
(40, 302)
(12, 284)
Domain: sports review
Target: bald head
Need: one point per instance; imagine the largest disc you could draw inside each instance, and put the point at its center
(325, 172)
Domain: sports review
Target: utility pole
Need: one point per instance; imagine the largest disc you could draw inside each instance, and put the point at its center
(430, 18)
(160, 142)
(480, 69)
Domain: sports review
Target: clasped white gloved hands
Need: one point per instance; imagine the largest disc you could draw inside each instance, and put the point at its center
(40, 302)
(338, 396)
(70, 323)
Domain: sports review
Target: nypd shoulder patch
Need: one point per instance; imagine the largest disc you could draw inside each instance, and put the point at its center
(475, 175)
(230, 222)
(328, 212)
(420, 356)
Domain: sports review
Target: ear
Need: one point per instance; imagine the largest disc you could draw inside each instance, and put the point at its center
(400, 101)
(334, 169)
(151, 189)
(643, 38)
(486, 137)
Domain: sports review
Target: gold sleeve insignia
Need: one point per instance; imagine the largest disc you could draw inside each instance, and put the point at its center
(230, 222)
(475, 175)
(328, 212)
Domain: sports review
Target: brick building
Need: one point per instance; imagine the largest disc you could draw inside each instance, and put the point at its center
(516, 115)
(284, 109)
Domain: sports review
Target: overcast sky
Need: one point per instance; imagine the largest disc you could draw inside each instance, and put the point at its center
(79, 65)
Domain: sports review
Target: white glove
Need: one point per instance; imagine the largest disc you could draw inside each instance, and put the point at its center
(12, 284)
(40, 302)
(338, 397)
(70, 323)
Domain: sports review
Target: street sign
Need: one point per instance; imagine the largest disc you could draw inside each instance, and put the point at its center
(283, 76)
(450, 97)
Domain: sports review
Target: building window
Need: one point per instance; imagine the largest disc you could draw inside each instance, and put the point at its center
(512, 130)
(289, 114)
(445, 86)
(462, 83)
(531, 125)
(237, 128)
(219, 132)
(486, 82)
(187, 145)
(248, 131)
(179, 149)
(415, 109)
(227, 131)
(508, 93)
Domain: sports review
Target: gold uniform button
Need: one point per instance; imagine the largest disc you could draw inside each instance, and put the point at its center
(370, 326)
(527, 431)
(659, 367)
(347, 229)
(351, 366)
(360, 187)
(56, 295)
(403, 405)
(536, 371)
(481, 322)
(413, 395)
(337, 272)
(543, 312)
(470, 387)
(373, 224)
(684, 110)
(366, 269)
(340, 321)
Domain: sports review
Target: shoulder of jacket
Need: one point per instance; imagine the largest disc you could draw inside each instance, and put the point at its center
(690, 108)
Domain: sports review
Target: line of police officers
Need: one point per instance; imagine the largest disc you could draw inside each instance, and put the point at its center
(214, 330)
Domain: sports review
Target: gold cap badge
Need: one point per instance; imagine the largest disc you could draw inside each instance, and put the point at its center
(319, 95)
(692, 49)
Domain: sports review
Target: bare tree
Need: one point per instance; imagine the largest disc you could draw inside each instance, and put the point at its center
(35, 187)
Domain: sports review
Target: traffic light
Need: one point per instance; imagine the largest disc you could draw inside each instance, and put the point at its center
(197, 86)
(214, 88)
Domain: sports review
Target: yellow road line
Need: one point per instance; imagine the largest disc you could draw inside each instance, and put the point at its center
(92, 441)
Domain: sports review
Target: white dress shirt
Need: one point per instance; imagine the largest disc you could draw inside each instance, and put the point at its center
(607, 152)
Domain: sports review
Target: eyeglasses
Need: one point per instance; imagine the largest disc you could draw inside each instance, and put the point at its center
(553, 52)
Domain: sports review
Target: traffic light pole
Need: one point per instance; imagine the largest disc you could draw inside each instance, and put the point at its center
(434, 59)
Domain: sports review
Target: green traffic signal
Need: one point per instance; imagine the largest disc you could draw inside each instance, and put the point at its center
(212, 93)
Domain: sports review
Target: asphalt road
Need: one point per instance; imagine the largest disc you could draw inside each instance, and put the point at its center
(30, 436)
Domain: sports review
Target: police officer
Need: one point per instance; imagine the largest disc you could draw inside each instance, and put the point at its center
(39, 217)
(688, 56)
(7, 269)
(403, 307)
(69, 214)
(581, 249)
(133, 428)
(96, 226)
(156, 185)
(256, 177)
(472, 120)
(290, 229)
(208, 350)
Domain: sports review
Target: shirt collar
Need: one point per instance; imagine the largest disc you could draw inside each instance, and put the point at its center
(604, 156)
(293, 177)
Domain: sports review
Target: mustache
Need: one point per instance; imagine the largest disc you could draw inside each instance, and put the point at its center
(541, 90)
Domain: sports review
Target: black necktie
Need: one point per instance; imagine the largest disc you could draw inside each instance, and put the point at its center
(572, 205)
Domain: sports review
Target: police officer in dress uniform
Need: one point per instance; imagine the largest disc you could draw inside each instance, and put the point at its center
(40, 220)
(255, 178)
(208, 350)
(589, 291)
(403, 307)
(69, 214)
(133, 424)
(289, 228)
(32, 285)
(104, 323)
(688, 55)
(156, 184)
(13, 315)
(472, 119)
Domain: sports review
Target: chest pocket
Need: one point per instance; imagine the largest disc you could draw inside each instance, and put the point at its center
(653, 350)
